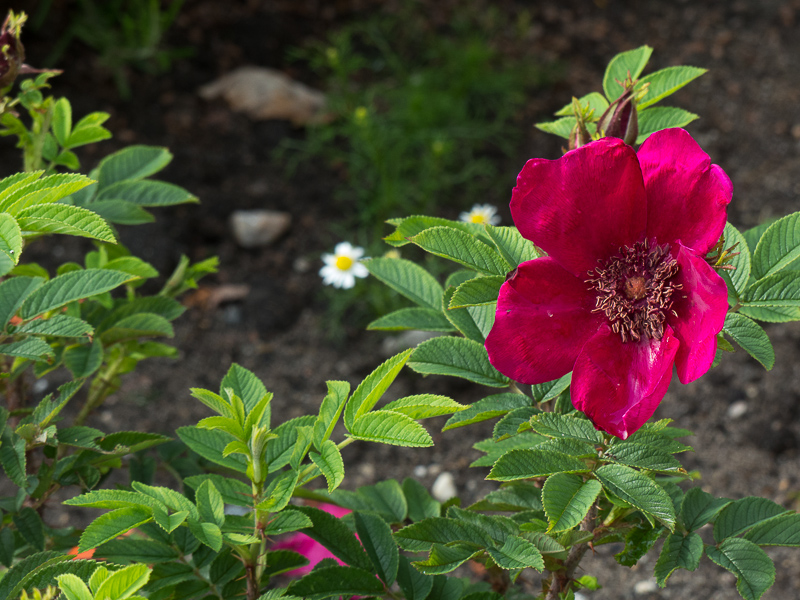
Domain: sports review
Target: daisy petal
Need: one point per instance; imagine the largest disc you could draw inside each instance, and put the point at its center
(544, 316)
(619, 385)
(687, 196)
(584, 206)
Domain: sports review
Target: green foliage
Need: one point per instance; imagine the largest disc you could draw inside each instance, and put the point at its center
(647, 91)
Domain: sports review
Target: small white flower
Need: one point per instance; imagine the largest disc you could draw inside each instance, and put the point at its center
(484, 214)
(343, 266)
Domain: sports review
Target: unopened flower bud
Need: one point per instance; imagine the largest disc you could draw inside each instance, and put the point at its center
(579, 136)
(12, 53)
(620, 120)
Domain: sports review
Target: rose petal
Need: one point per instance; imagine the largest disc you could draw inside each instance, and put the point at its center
(701, 305)
(584, 206)
(619, 385)
(687, 196)
(544, 316)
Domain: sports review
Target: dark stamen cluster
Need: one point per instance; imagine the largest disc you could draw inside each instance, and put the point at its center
(634, 290)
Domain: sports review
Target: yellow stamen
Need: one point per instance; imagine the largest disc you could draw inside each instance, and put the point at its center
(477, 218)
(343, 263)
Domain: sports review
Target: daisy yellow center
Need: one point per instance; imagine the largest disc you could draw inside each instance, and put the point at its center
(477, 218)
(343, 263)
(634, 290)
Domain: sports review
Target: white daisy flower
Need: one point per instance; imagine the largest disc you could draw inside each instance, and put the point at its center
(483, 214)
(343, 266)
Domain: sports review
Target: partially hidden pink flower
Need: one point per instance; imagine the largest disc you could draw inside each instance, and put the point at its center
(625, 291)
(309, 548)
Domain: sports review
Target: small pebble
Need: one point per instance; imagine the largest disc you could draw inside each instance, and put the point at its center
(579, 596)
(420, 471)
(646, 586)
(444, 487)
(40, 386)
(253, 228)
(737, 409)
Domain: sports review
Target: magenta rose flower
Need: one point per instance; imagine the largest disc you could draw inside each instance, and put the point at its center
(625, 291)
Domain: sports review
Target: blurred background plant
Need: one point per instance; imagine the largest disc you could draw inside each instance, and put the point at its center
(124, 33)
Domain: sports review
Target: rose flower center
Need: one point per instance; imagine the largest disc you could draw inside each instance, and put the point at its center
(634, 290)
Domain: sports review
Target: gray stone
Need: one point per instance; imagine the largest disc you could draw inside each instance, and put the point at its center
(253, 228)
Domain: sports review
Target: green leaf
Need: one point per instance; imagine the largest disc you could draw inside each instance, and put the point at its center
(567, 499)
(32, 348)
(638, 542)
(514, 422)
(678, 552)
(279, 450)
(62, 120)
(516, 496)
(136, 326)
(742, 514)
(754, 570)
(783, 530)
(336, 581)
(444, 559)
(329, 462)
(389, 427)
(124, 583)
(424, 406)
(662, 117)
(517, 553)
(233, 491)
(639, 491)
(71, 585)
(13, 293)
(113, 524)
(462, 319)
(29, 525)
(444, 530)
(385, 498)
(544, 392)
(376, 537)
(86, 135)
(699, 507)
(210, 504)
(370, 390)
(10, 237)
(65, 218)
(121, 212)
(133, 162)
(740, 276)
(408, 279)
(69, 287)
(146, 193)
(561, 127)
(131, 549)
(772, 314)
(329, 412)
(286, 521)
(751, 337)
(525, 463)
(420, 503)
(420, 319)
(279, 492)
(487, 408)
(457, 357)
(335, 536)
(245, 385)
(22, 574)
(45, 190)
(57, 326)
(133, 265)
(593, 100)
(624, 65)
(477, 291)
(496, 448)
(644, 457)
(566, 426)
(13, 459)
(411, 226)
(514, 248)
(778, 247)
(210, 444)
(208, 534)
(462, 248)
(415, 585)
(130, 441)
(83, 360)
(665, 82)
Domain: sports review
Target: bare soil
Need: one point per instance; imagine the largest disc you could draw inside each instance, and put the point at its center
(750, 125)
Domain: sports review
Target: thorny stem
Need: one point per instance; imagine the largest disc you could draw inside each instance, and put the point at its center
(562, 580)
(97, 394)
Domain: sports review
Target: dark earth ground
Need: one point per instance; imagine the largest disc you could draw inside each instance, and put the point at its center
(750, 125)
